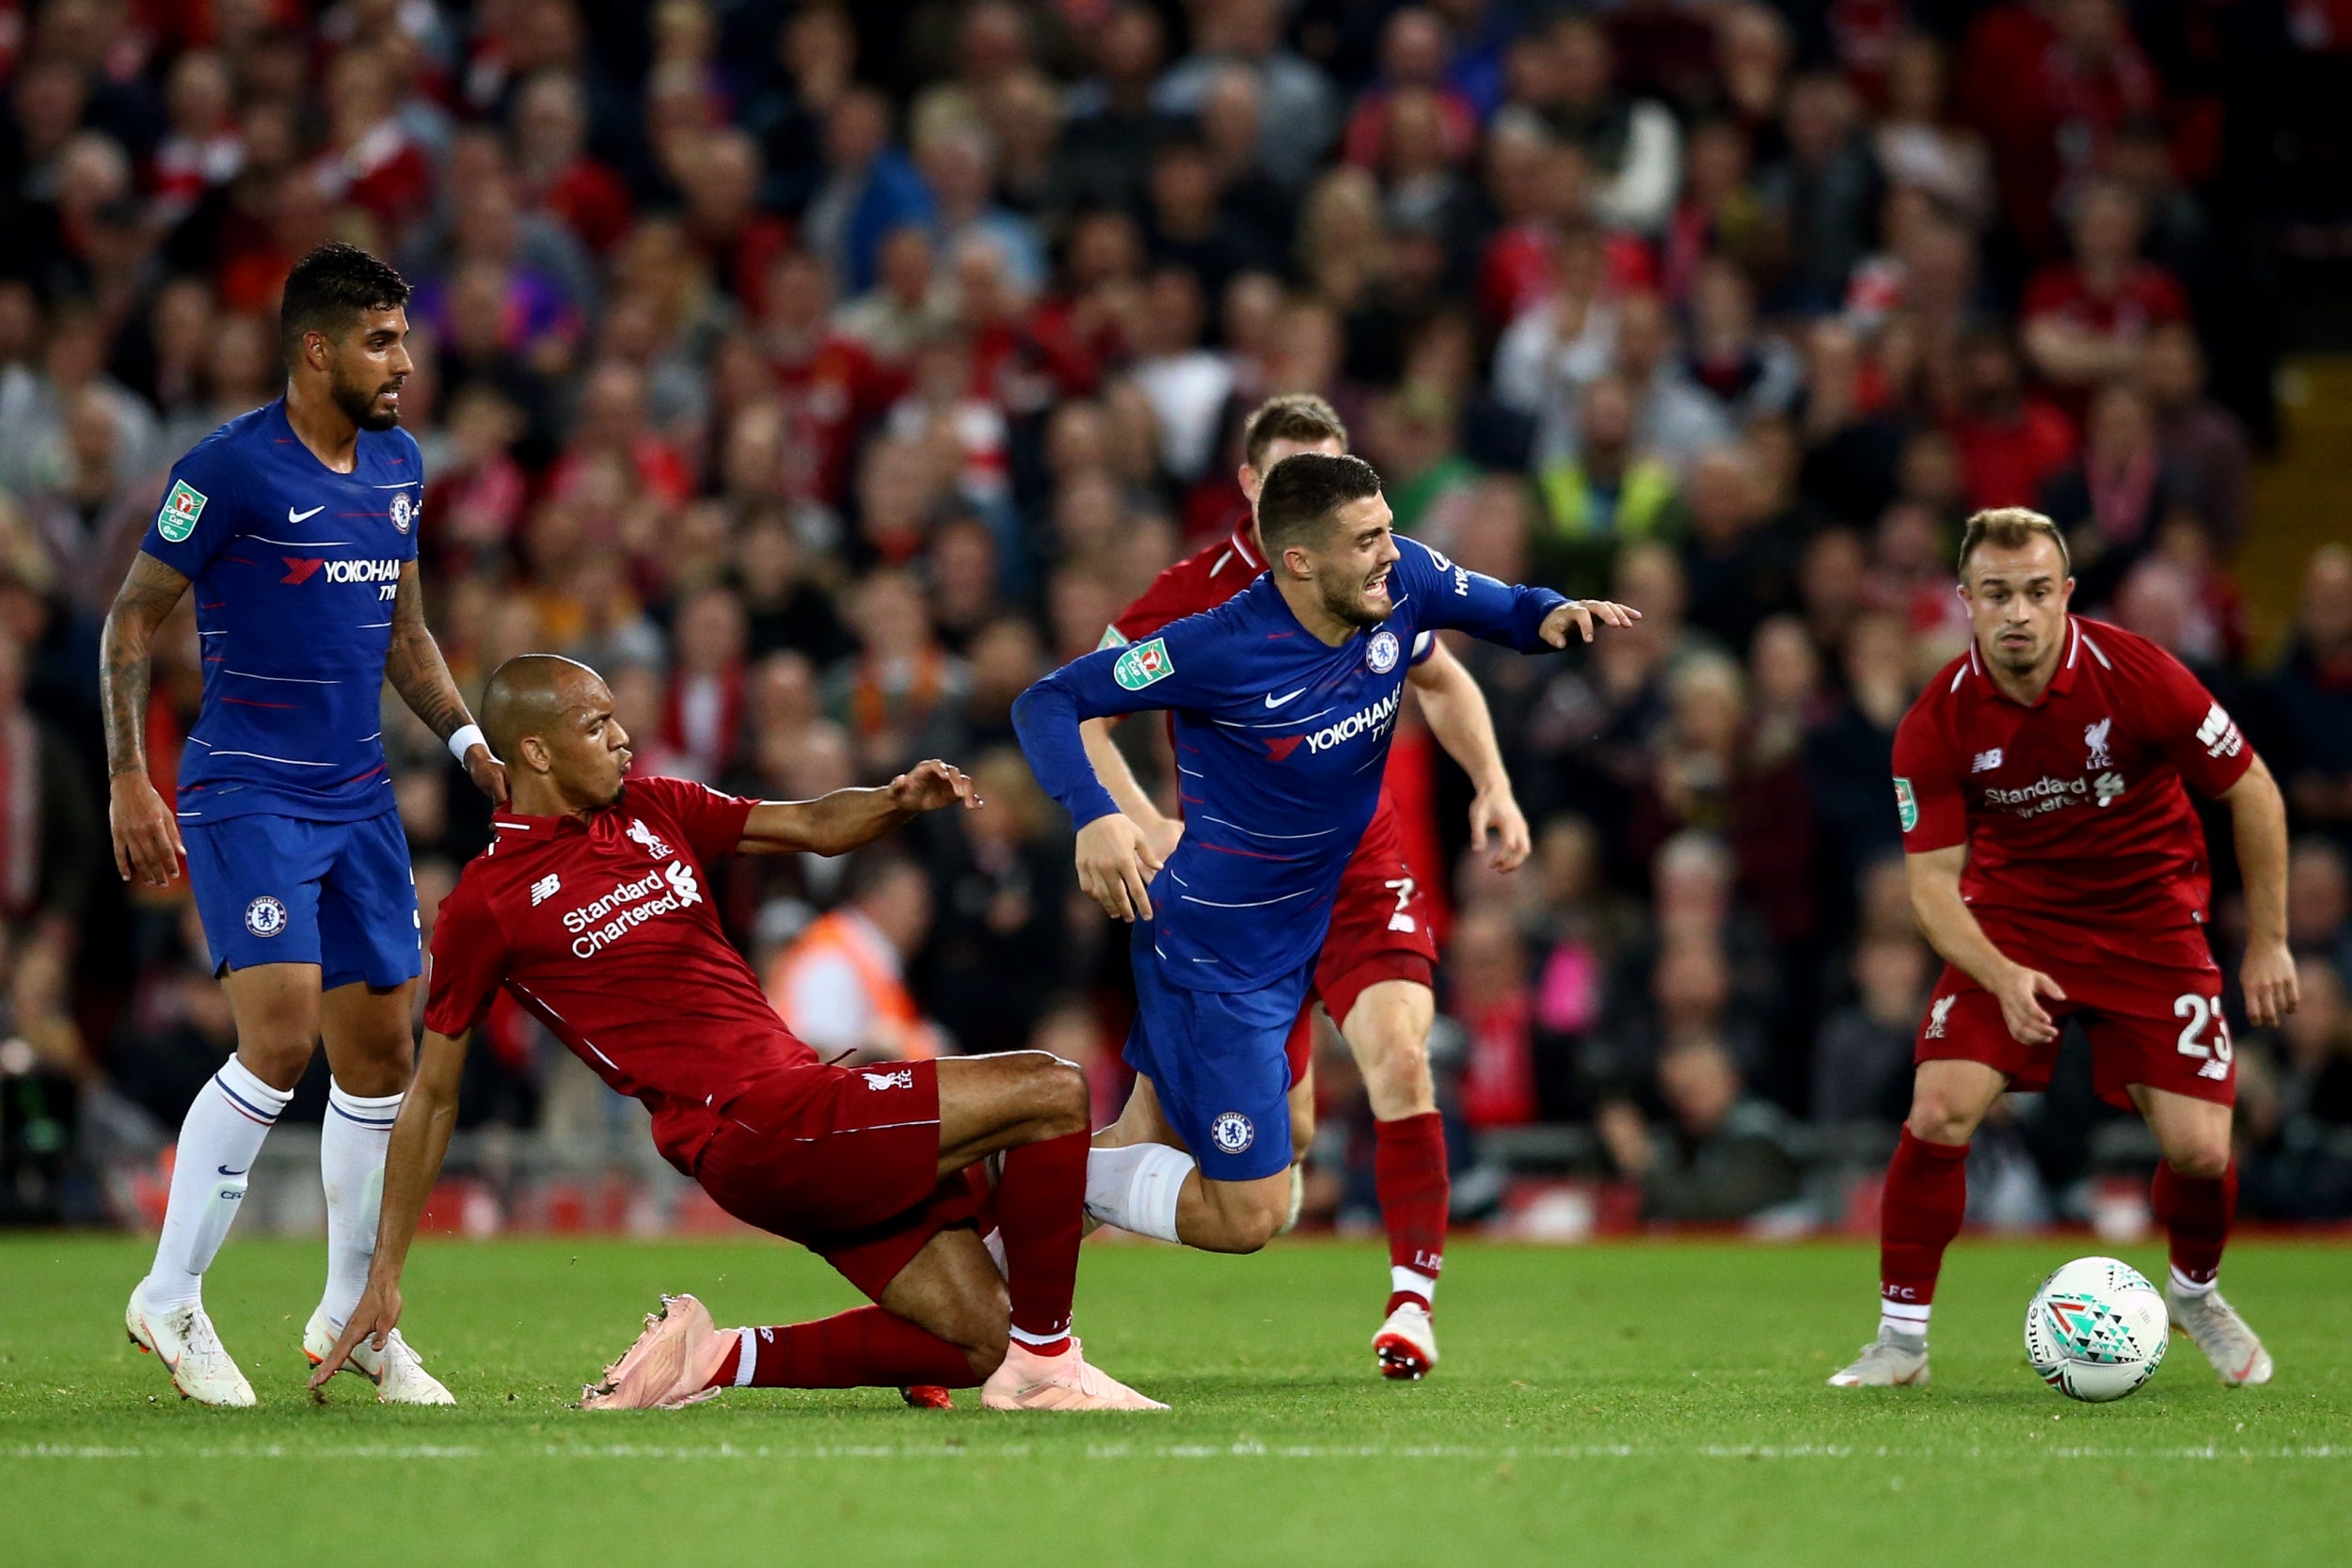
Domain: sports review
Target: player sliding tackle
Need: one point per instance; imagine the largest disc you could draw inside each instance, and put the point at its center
(2056, 861)
(589, 908)
(1284, 698)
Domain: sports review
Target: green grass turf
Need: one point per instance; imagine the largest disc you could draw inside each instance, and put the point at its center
(1619, 1405)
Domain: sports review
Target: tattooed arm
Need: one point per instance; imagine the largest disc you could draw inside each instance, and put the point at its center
(413, 664)
(146, 837)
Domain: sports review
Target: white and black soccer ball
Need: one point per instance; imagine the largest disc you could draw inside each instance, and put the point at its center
(2096, 1330)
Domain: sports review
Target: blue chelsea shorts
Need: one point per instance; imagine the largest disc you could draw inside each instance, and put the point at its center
(1217, 1060)
(285, 890)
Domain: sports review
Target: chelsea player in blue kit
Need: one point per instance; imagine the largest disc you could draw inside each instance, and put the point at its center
(1284, 700)
(297, 524)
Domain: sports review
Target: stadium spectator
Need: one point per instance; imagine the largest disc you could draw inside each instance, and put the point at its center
(1723, 1155)
(841, 985)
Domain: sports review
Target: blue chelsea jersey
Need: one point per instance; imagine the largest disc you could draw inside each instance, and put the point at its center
(295, 568)
(1280, 742)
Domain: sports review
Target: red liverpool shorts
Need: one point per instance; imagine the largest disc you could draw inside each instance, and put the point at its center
(2158, 1024)
(1379, 931)
(844, 1161)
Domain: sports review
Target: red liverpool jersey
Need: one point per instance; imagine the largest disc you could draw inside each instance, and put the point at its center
(2078, 825)
(604, 930)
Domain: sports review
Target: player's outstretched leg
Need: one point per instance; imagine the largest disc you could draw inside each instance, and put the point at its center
(1926, 1199)
(682, 1360)
(368, 1046)
(2194, 1196)
(1388, 1029)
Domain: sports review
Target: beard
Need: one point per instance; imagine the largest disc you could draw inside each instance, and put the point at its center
(358, 402)
(1351, 606)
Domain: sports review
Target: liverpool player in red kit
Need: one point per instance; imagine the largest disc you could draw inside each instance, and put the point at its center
(589, 908)
(1379, 964)
(2042, 784)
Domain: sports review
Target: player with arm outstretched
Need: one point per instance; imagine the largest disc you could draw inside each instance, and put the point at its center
(589, 910)
(1284, 699)
(297, 524)
(2056, 862)
(1375, 973)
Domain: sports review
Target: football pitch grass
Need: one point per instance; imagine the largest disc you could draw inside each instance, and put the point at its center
(1637, 1404)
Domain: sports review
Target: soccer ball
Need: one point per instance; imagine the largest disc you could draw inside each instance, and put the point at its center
(2096, 1330)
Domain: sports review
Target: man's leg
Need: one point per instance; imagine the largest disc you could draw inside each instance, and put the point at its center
(1388, 1029)
(2194, 1196)
(372, 1052)
(1926, 1199)
(1032, 1108)
(1141, 1176)
(939, 1323)
(277, 1009)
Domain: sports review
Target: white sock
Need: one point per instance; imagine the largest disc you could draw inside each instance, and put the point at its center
(2188, 1287)
(746, 1356)
(1135, 1188)
(218, 1140)
(1908, 1319)
(352, 1142)
(1405, 1281)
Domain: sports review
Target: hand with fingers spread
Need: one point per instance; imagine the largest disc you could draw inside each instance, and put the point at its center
(2020, 992)
(147, 837)
(1116, 865)
(931, 785)
(1581, 614)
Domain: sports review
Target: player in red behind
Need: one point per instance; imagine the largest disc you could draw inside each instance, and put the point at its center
(2056, 862)
(589, 907)
(1378, 965)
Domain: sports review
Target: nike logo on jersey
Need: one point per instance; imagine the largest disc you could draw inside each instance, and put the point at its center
(293, 517)
(1272, 701)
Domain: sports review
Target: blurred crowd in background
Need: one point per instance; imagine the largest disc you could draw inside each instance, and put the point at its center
(825, 373)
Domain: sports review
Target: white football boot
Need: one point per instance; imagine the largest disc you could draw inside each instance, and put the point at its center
(1407, 1343)
(399, 1377)
(1890, 1361)
(2236, 1353)
(182, 1338)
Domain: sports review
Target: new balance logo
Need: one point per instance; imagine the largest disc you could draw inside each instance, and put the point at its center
(900, 1078)
(1938, 1014)
(2218, 734)
(545, 889)
(1986, 761)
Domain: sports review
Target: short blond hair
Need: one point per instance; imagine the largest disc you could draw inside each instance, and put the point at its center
(2012, 528)
(1301, 418)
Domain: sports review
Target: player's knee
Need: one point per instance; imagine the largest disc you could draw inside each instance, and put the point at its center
(1400, 1077)
(1063, 1105)
(1938, 1120)
(1250, 1215)
(2201, 1159)
(276, 1056)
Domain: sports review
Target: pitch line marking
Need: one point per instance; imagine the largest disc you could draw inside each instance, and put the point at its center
(1241, 1449)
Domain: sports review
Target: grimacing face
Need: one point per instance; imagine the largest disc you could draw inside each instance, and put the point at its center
(586, 749)
(1350, 564)
(2017, 600)
(366, 368)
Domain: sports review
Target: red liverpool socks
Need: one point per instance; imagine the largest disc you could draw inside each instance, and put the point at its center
(1927, 1195)
(1040, 1214)
(2196, 1212)
(863, 1348)
(1408, 1173)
